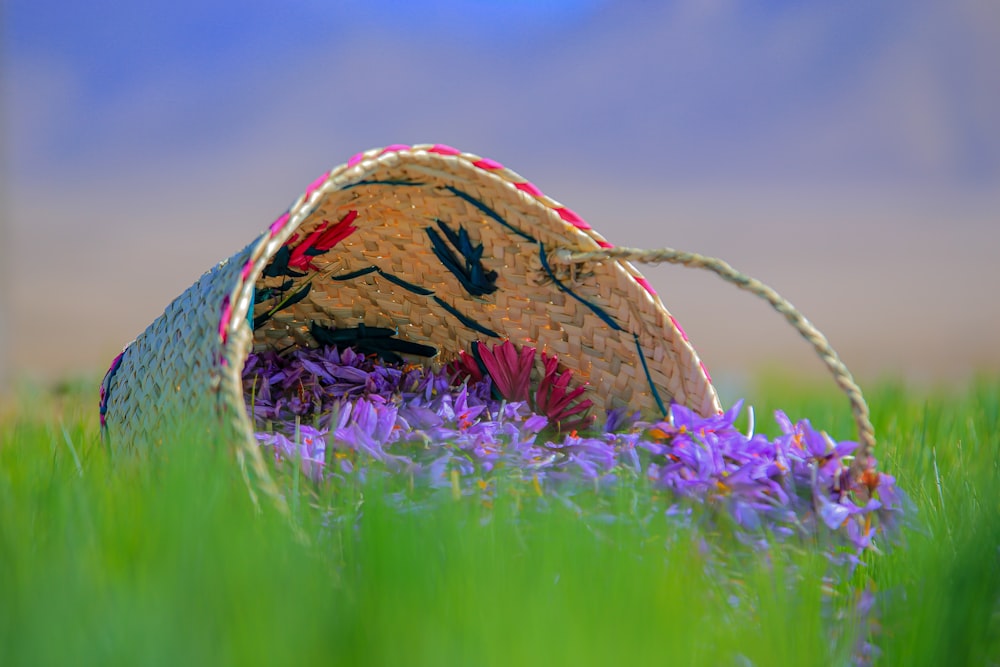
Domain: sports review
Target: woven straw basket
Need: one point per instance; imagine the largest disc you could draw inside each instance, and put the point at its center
(421, 250)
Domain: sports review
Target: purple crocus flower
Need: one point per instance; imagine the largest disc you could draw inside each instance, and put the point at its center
(619, 419)
(310, 448)
(371, 415)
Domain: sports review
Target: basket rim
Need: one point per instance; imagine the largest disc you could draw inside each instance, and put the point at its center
(238, 304)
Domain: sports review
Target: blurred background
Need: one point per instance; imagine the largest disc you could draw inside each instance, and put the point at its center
(846, 153)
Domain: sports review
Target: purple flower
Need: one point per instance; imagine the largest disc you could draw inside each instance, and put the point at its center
(626, 449)
(366, 425)
(619, 419)
(370, 415)
(310, 448)
(535, 423)
(834, 515)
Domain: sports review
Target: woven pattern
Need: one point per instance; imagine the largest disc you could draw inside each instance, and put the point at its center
(602, 323)
(841, 375)
(418, 252)
(174, 369)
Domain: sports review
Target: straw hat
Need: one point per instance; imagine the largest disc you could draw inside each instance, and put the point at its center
(417, 252)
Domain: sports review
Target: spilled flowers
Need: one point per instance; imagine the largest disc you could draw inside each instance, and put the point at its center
(339, 412)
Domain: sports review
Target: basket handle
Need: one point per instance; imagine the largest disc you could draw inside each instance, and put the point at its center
(841, 375)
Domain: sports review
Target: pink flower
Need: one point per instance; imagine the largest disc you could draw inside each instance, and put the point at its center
(553, 401)
(509, 368)
(465, 366)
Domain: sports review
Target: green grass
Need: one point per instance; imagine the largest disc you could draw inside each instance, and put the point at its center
(108, 557)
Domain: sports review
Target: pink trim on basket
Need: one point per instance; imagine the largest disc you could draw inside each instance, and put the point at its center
(227, 313)
(316, 184)
(679, 328)
(247, 270)
(645, 284)
(355, 159)
(395, 148)
(279, 223)
(488, 164)
(604, 244)
(570, 216)
(704, 370)
(106, 388)
(530, 188)
(444, 149)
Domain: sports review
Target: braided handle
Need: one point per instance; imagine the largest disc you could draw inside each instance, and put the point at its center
(842, 376)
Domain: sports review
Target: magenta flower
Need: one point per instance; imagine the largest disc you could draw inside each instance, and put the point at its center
(553, 400)
(465, 366)
(509, 368)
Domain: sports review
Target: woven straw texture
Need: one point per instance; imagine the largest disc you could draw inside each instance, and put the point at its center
(179, 368)
(421, 250)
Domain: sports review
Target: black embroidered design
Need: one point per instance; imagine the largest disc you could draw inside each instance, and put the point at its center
(416, 289)
(262, 295)
(283, 302)
(371, 340)
(467, 321)
(279, 265)
(468, 268)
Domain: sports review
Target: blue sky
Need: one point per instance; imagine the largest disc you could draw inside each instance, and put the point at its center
(710, 123)
(895, 92)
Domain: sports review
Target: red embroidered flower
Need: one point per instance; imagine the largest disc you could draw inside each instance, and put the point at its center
(323, 239)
